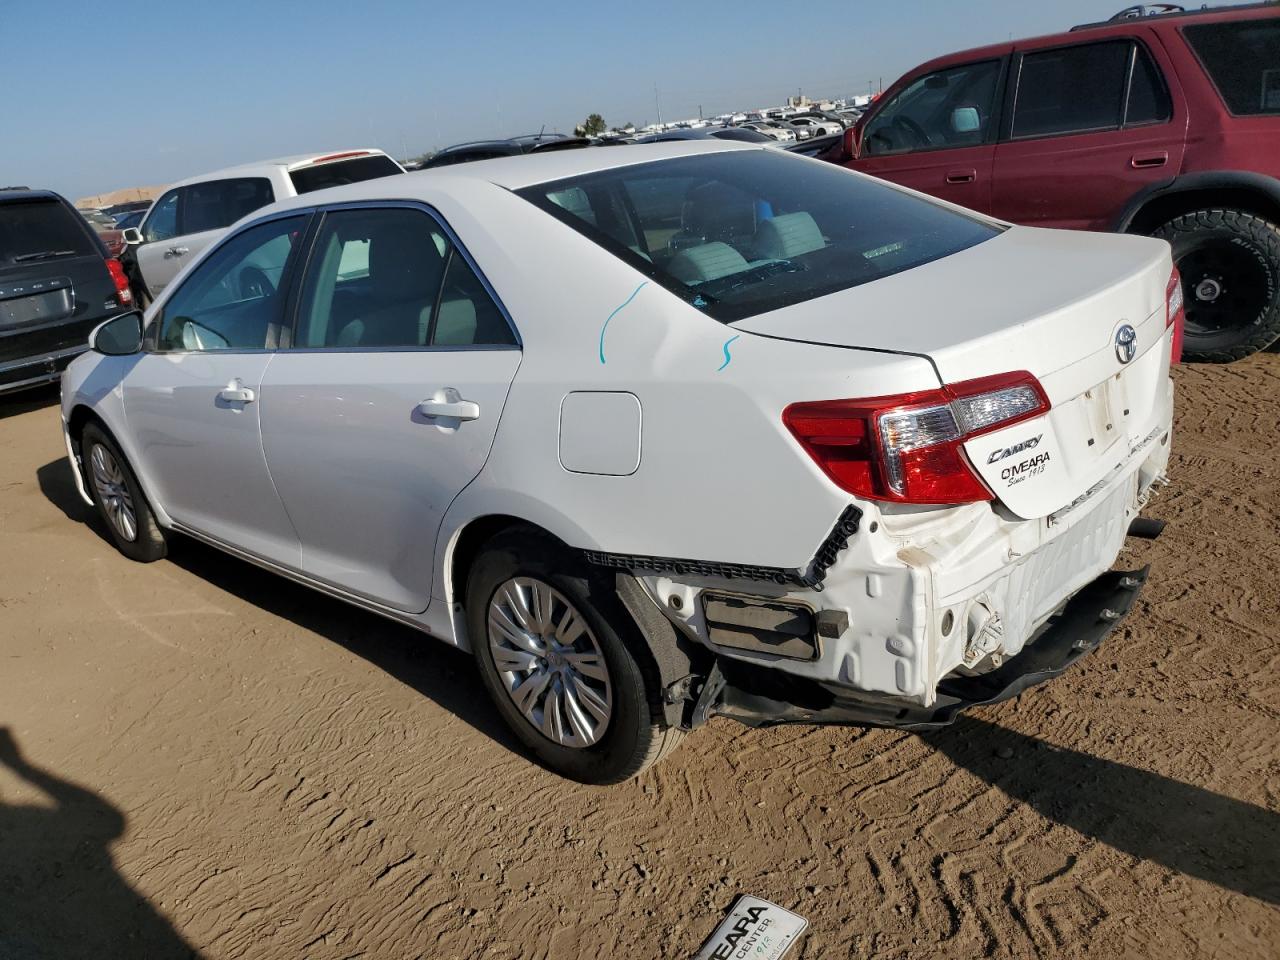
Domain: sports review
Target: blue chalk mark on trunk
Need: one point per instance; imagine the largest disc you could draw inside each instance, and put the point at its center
(614, 314)
(727, 358)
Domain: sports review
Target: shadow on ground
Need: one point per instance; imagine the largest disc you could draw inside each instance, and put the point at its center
(437, 671)
(1186, 828)
(60, 893)
(24, 401)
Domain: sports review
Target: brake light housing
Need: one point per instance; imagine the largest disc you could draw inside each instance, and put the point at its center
(909, 447)
(123, 293)
(1175, 313)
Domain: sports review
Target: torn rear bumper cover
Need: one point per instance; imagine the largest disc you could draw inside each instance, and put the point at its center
(761, 697)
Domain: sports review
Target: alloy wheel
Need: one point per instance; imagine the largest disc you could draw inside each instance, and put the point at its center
(113, 491)
(550, 662)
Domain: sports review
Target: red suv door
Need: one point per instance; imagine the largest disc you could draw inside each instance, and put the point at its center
(937, 133)
(1089, 126)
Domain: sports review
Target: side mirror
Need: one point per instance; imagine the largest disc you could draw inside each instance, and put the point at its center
(131, 235)
(120, 336)
(851, 141)
(965, 120)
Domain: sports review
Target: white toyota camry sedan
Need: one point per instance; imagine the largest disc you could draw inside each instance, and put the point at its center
(658, 433)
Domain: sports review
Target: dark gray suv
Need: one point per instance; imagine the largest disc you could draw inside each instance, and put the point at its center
(56, 284)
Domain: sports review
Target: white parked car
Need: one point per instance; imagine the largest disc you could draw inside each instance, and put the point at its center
(660, 433)
(817, 126)
(195, 212)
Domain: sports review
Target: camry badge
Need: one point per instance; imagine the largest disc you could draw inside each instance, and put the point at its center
(1126, 343)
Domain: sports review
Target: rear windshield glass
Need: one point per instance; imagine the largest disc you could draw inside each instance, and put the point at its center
(1243, 59)
(341, 172)
(745, 232)
(32, 230)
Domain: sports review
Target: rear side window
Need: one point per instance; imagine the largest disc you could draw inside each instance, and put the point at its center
(1071, 89)
(391, 278)
(340, 172)
(220, 203)
(33, 230)
(1148, 98)
(744, 232)
(1242, 58)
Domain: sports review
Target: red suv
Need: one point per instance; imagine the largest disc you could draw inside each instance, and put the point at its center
(1157, 121)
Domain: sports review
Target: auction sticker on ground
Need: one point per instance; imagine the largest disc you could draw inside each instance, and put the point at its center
(755, 929)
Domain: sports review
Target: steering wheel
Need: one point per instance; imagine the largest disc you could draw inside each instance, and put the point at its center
(914, 129)
(254, 283)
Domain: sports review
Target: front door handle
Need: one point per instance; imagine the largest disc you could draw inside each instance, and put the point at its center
(1151, 160)
(237, 392)
(962, 176)
(449, 403)
(176, 252)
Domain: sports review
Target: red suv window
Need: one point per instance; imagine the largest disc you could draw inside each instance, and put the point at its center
(1088, 87)
(1242, 57)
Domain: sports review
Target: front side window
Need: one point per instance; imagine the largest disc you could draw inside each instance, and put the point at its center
(220, 203)
(1242, 57)
(950, 108)
(1072, 89)
(748, 231)
(391, 278)
(234, 300)
(162, 222)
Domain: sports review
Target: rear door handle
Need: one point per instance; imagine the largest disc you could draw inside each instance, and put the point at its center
(237, 392)
(449, 403)
(1151, 160)
(962, 176)
(176, 252)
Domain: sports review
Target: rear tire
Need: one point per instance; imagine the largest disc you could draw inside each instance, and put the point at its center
(1230, 266)
(119, 498)
(521, 572)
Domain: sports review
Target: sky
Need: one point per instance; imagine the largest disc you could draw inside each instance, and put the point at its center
(101, 96)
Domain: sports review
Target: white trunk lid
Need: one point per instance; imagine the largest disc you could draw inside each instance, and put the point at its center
(1049, 301)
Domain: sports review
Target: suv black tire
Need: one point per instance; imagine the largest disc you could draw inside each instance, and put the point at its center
(1230, 265)
(148, 542)
(636, 736)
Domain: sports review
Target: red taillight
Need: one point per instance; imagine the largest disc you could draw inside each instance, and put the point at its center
(123, 293)
(908, 448)
(1175, 313)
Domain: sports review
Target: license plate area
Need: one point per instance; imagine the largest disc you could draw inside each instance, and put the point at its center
(36, 301)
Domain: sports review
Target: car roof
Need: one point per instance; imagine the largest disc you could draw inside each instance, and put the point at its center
(527, 169)
(509, 173)
(1078, 34)
(25, 194)
(295, 162)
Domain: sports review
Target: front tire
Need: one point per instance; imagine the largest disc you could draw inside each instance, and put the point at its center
(555, 649)
(1230, 266)
(119, 498)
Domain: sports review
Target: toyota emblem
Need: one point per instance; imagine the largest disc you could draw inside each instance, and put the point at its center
(1126, 343)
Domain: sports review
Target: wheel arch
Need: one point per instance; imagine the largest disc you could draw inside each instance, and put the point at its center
(1250, 192)
(665, 653)
(81, 415)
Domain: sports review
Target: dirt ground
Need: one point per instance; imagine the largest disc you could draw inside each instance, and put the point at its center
(200, 758)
